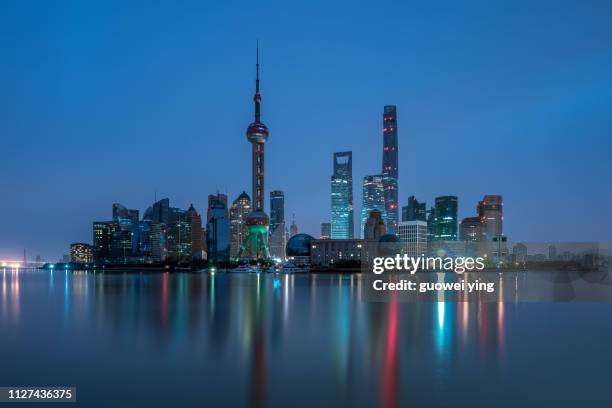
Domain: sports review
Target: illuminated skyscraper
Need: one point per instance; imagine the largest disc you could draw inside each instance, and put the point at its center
(179, 236)
(277, 209)
(241, 207)
(373, 199)
(217, 229)
(256, 244)
(445, 219)
(278, 238)
(490, 211)
(390, 168)
(342, 218)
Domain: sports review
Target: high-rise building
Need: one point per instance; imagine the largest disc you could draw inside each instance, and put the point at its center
(430, 224)
(471, 229)
(218, 229)
(152, 241)
(241, 207)
(277, 209)
(445, 219)
(490, 211)
(374, 227)
(373, 198)
(256, 244)
(102, 240)
(123, 215)
(197, 239)
(413, 236)
(159, 211)
(390, 167)
(278, 238)
(325, 230)
(81, 253)
(179, 236)
(342, 218)
(414, 211)
(125, 237)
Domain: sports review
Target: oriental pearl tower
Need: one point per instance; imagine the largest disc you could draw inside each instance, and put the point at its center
(255, 245)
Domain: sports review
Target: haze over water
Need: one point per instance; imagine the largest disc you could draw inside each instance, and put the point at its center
(141, 339)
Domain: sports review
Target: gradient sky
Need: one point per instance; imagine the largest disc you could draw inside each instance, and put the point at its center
(112, 101)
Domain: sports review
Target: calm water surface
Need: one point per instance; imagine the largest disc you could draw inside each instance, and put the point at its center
(196, 339)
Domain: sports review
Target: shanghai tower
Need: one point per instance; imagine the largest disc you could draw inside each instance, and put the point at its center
(389, 167)
(255, 245)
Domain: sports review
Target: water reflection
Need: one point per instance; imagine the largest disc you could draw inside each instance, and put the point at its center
(279, 334)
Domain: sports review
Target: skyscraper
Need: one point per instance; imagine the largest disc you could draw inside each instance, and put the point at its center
(241, 207)
(390, 167)
(159, 211)
(102, 240)
(217, 229)
(373, 199)
(445, 219)
(325, 230)
(471, 229)
(278, 238)
(490, 211)
(179, 236)
(124, 237)
(342, 222)
(256, 244)
(414, 211)
(197, 240)
(277, 209)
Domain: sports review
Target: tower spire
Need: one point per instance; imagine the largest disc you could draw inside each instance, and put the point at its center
(257, 97)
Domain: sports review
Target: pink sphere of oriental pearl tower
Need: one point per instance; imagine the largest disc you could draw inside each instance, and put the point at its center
(255, 246)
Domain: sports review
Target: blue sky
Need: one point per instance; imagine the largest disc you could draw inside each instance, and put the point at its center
(106, 102)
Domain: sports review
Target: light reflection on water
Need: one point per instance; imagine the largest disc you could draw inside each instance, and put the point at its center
(266, 340)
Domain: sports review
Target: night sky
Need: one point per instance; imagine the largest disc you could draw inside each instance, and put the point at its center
(113, 102)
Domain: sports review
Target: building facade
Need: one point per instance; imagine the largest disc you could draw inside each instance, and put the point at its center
(330, 252)
(342, 217)
(325, 230)
(241, 207)
(413, 236)
(471, 229)
(102, 241)
(374, 227)
(490, 210)
(414, 211)
(373, 199)
(445, 219)
(218, 229)
(390, 167)
(197, 239)
(81, 253)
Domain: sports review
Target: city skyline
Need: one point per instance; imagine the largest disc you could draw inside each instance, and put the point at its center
(64, 115)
